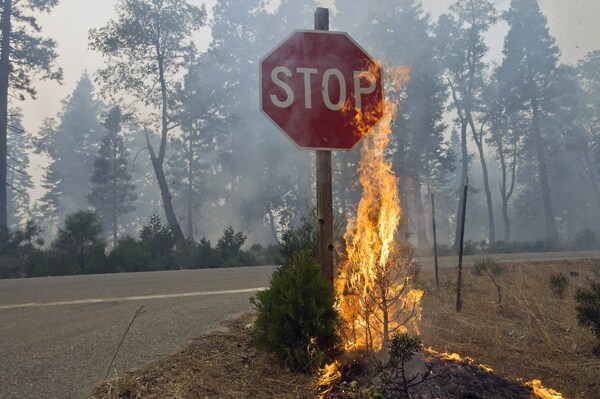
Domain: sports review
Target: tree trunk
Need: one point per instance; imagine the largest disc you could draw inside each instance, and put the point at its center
(165, 195)
(157, 161)
(5, 68)
(114, 204)
(190, 193)
(463, 176)
(551, 230)
(419, 214)
(505, 191)
(478, 138)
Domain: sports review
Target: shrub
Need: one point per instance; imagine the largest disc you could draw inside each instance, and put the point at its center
(302, 238)
(160, 241)
(588, 309)
(296, 319)
(558, 284)
(395, 380)
(229, 245)
(79, 244)
(129, 255)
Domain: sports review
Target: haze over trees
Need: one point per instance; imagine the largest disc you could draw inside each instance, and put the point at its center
(167, 130)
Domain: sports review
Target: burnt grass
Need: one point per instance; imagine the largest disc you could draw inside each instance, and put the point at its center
(533, 334)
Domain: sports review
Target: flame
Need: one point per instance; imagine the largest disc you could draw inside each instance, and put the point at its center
(455, 357)
(541, 392)
(373, 290)
(328, 376)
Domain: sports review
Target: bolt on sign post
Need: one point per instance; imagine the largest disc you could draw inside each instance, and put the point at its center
(323, 91)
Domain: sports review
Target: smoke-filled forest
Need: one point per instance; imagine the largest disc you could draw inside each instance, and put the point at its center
(161, 159)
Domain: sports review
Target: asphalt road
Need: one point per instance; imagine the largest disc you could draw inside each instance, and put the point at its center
(58, 334)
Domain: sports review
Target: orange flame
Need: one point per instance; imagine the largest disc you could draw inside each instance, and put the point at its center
(328, 375)
(372, 286)
(542, 392)
(455, 357)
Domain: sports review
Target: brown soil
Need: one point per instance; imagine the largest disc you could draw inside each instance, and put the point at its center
(224, 364)
(533, 334)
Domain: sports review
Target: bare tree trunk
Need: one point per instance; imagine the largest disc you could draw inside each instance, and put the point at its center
(5, 68)
(478, 138)
(114, 187)
(157, 161)
(165, 195)
(506, 188)
(190, 193)
(463, 176)
(419, 214)
(551, 230)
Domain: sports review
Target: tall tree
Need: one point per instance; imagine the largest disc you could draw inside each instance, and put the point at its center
(112, 193)
(72, 140)
(18, 180)
(196, 153)
(506, 137)
(528, 77)
(23, 55)
(146, 48)
(460, 35)
(587, 131)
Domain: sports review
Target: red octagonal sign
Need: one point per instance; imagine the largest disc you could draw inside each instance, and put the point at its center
(321, 89)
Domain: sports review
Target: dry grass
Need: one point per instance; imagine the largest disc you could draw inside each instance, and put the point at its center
(532, 335)
(222, 365)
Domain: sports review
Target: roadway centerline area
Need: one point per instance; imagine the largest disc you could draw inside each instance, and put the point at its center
(131, 298)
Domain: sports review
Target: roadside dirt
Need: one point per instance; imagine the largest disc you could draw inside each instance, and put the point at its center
(223, 364)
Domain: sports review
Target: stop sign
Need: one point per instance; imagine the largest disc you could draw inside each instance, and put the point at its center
(321, 89)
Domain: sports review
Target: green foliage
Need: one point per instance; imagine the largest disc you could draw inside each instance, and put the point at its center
(296, 319)
(159, 240)
(393, 377)
(351, 390)
(129, 255)
(79, 244)
(112, 193)
(301, 238)
(488, 266)
(588, 309)
(558, 284)
(229, 246)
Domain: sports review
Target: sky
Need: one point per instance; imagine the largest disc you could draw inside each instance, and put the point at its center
(574, 24)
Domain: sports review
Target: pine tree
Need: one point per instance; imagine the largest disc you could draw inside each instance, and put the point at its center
(112, 193)
(23, 55)
(71, 144)
(528, 81)
(460, 37)
(18, 180)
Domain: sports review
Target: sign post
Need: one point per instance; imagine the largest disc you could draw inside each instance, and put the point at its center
(324, 187)
(324, 92)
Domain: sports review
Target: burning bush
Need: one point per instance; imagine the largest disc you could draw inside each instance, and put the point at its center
(296, 319)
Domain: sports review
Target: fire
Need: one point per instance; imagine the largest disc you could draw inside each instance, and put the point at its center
(541, 392)
(455, 357)
(373, 284)
(328, 375)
